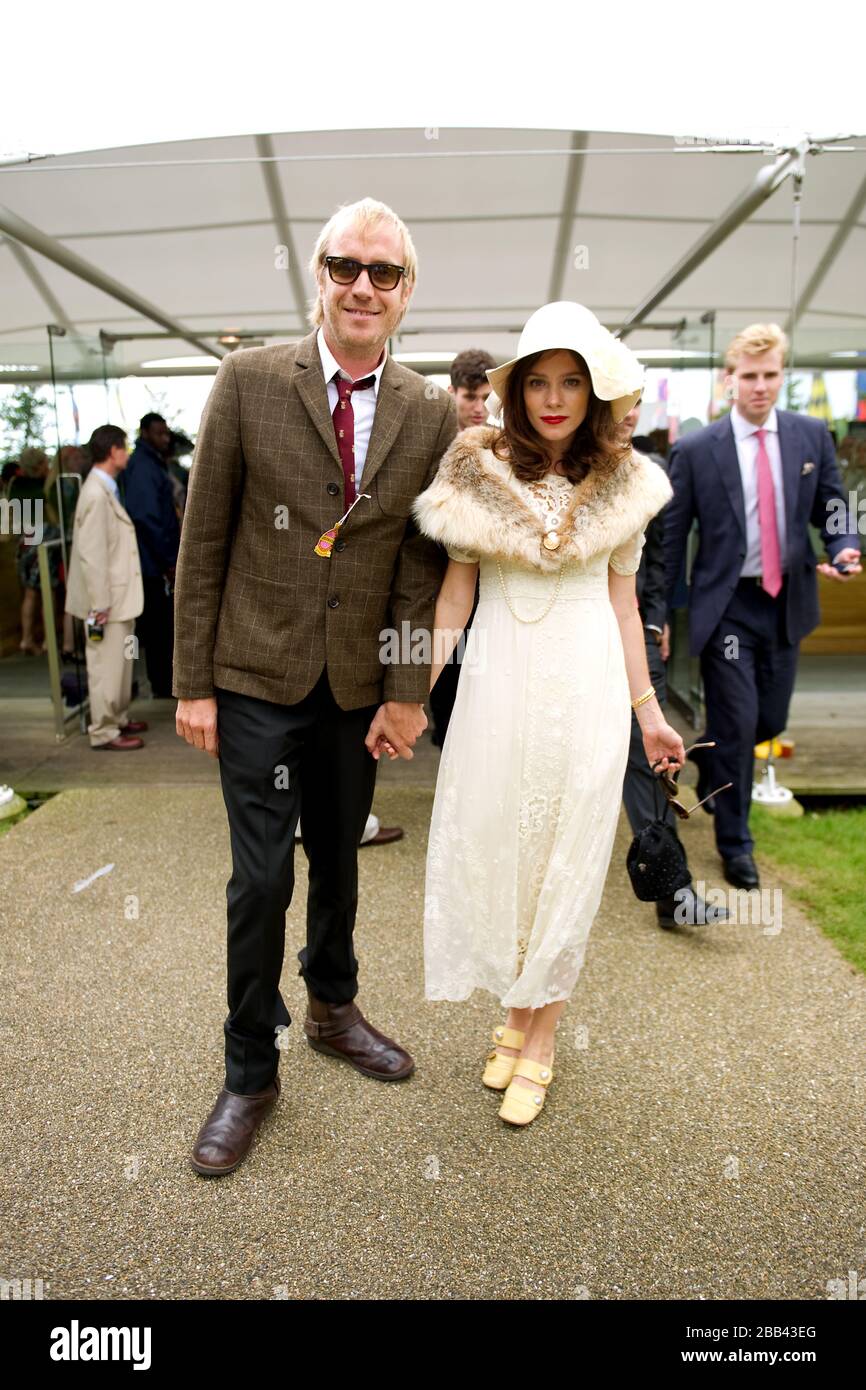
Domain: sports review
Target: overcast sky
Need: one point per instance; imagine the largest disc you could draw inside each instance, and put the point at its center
(91, 74)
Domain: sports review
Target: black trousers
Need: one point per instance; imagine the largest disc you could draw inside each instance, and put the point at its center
(155, 628)
(274, 761)
(642, 800)
(444, 692)
(749, 668)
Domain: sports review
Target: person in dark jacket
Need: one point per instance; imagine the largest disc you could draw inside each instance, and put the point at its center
(754, 482)
(470, 389)
(149, 500)
(639, 795)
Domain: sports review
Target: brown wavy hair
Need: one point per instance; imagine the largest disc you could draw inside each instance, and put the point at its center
(596, 443)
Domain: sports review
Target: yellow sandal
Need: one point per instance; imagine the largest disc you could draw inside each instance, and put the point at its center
(520, 1105)
(500, 1069)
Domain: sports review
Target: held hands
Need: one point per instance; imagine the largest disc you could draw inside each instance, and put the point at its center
(848, 556)
(196, 721)
(664, 743)
(395, 729)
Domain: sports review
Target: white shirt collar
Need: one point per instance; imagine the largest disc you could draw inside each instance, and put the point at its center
(109, 482)
(330, 365)
(743, 428)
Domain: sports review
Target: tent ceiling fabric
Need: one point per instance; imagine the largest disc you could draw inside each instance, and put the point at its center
(494, 233)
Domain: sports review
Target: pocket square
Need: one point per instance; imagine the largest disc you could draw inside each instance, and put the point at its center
(807, 468)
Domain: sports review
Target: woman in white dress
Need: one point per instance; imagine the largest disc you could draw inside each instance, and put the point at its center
(552, 508)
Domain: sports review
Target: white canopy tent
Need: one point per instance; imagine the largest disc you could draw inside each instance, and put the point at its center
(173, 246)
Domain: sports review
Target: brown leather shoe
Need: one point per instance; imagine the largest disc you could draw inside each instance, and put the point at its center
(385, 835)
(135, 726)
(341, 1030)
(119, 744)
(226, 1136)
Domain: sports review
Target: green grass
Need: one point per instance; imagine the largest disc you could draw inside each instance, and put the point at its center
(8, 821)
(822, 858)
(35, 797)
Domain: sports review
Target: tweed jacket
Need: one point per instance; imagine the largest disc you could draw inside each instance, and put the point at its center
(257, 611)
(104, 566)
(475, 505)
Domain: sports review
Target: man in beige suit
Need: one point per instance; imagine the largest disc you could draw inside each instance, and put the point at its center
(105, 585)
(281, 630)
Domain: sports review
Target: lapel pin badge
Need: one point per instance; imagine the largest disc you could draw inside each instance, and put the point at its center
(325, 543)
(808, 467)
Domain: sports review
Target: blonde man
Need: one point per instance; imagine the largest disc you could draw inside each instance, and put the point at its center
(753, 481)
(279, 630)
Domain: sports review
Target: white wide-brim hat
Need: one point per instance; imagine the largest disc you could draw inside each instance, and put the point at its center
(616, 374)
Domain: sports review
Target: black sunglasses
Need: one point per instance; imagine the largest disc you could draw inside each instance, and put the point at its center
(345, 271)
(669, 786)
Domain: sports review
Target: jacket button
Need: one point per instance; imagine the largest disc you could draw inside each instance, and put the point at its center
(333, 601)
(339, 545)
(333, 489)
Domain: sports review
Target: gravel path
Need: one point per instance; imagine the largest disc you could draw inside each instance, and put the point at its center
(704, 1137)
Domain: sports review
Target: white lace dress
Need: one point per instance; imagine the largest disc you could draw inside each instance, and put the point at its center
(530, 778)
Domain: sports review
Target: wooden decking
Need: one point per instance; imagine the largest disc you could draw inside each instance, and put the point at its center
(828, 725)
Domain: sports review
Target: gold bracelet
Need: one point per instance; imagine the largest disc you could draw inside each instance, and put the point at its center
(642, 699)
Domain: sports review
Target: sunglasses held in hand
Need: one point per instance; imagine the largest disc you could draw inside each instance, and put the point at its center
(669, 786)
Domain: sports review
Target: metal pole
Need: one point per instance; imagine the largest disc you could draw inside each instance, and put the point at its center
(765, 183)
(25, 232)
(51, 638)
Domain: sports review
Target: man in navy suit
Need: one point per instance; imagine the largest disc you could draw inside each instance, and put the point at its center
(149, 500)
(753, 481)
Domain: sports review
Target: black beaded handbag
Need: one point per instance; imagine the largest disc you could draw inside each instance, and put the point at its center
(656, 861)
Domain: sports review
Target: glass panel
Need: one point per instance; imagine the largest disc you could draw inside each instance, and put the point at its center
(692, 403)
(79, 378)
(43, 385)
(27, 443)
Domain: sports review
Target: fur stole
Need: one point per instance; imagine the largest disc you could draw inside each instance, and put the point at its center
(476, 504)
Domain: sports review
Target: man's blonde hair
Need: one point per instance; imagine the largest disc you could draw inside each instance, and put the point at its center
(752, 341)
(364, 216)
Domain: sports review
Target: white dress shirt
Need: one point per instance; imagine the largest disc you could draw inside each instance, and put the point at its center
(363, 404)
(746, 440)
(110, 483)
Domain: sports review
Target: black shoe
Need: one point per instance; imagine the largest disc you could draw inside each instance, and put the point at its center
(687, 908)
(742, 871)
(699, 758)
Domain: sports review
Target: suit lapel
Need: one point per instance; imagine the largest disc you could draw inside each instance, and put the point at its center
(114, 503)
(119, 509)
(725, 454)
(313, 391)
(391, 406)
(791, 450)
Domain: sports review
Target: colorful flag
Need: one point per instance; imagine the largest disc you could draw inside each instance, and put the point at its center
(660, 418)
(819, 406)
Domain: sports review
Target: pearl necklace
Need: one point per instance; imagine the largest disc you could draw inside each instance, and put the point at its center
(550, 604)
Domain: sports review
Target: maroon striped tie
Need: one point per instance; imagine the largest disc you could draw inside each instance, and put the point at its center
(344, 427)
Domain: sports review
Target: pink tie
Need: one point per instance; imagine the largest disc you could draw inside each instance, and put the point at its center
(771, 565)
